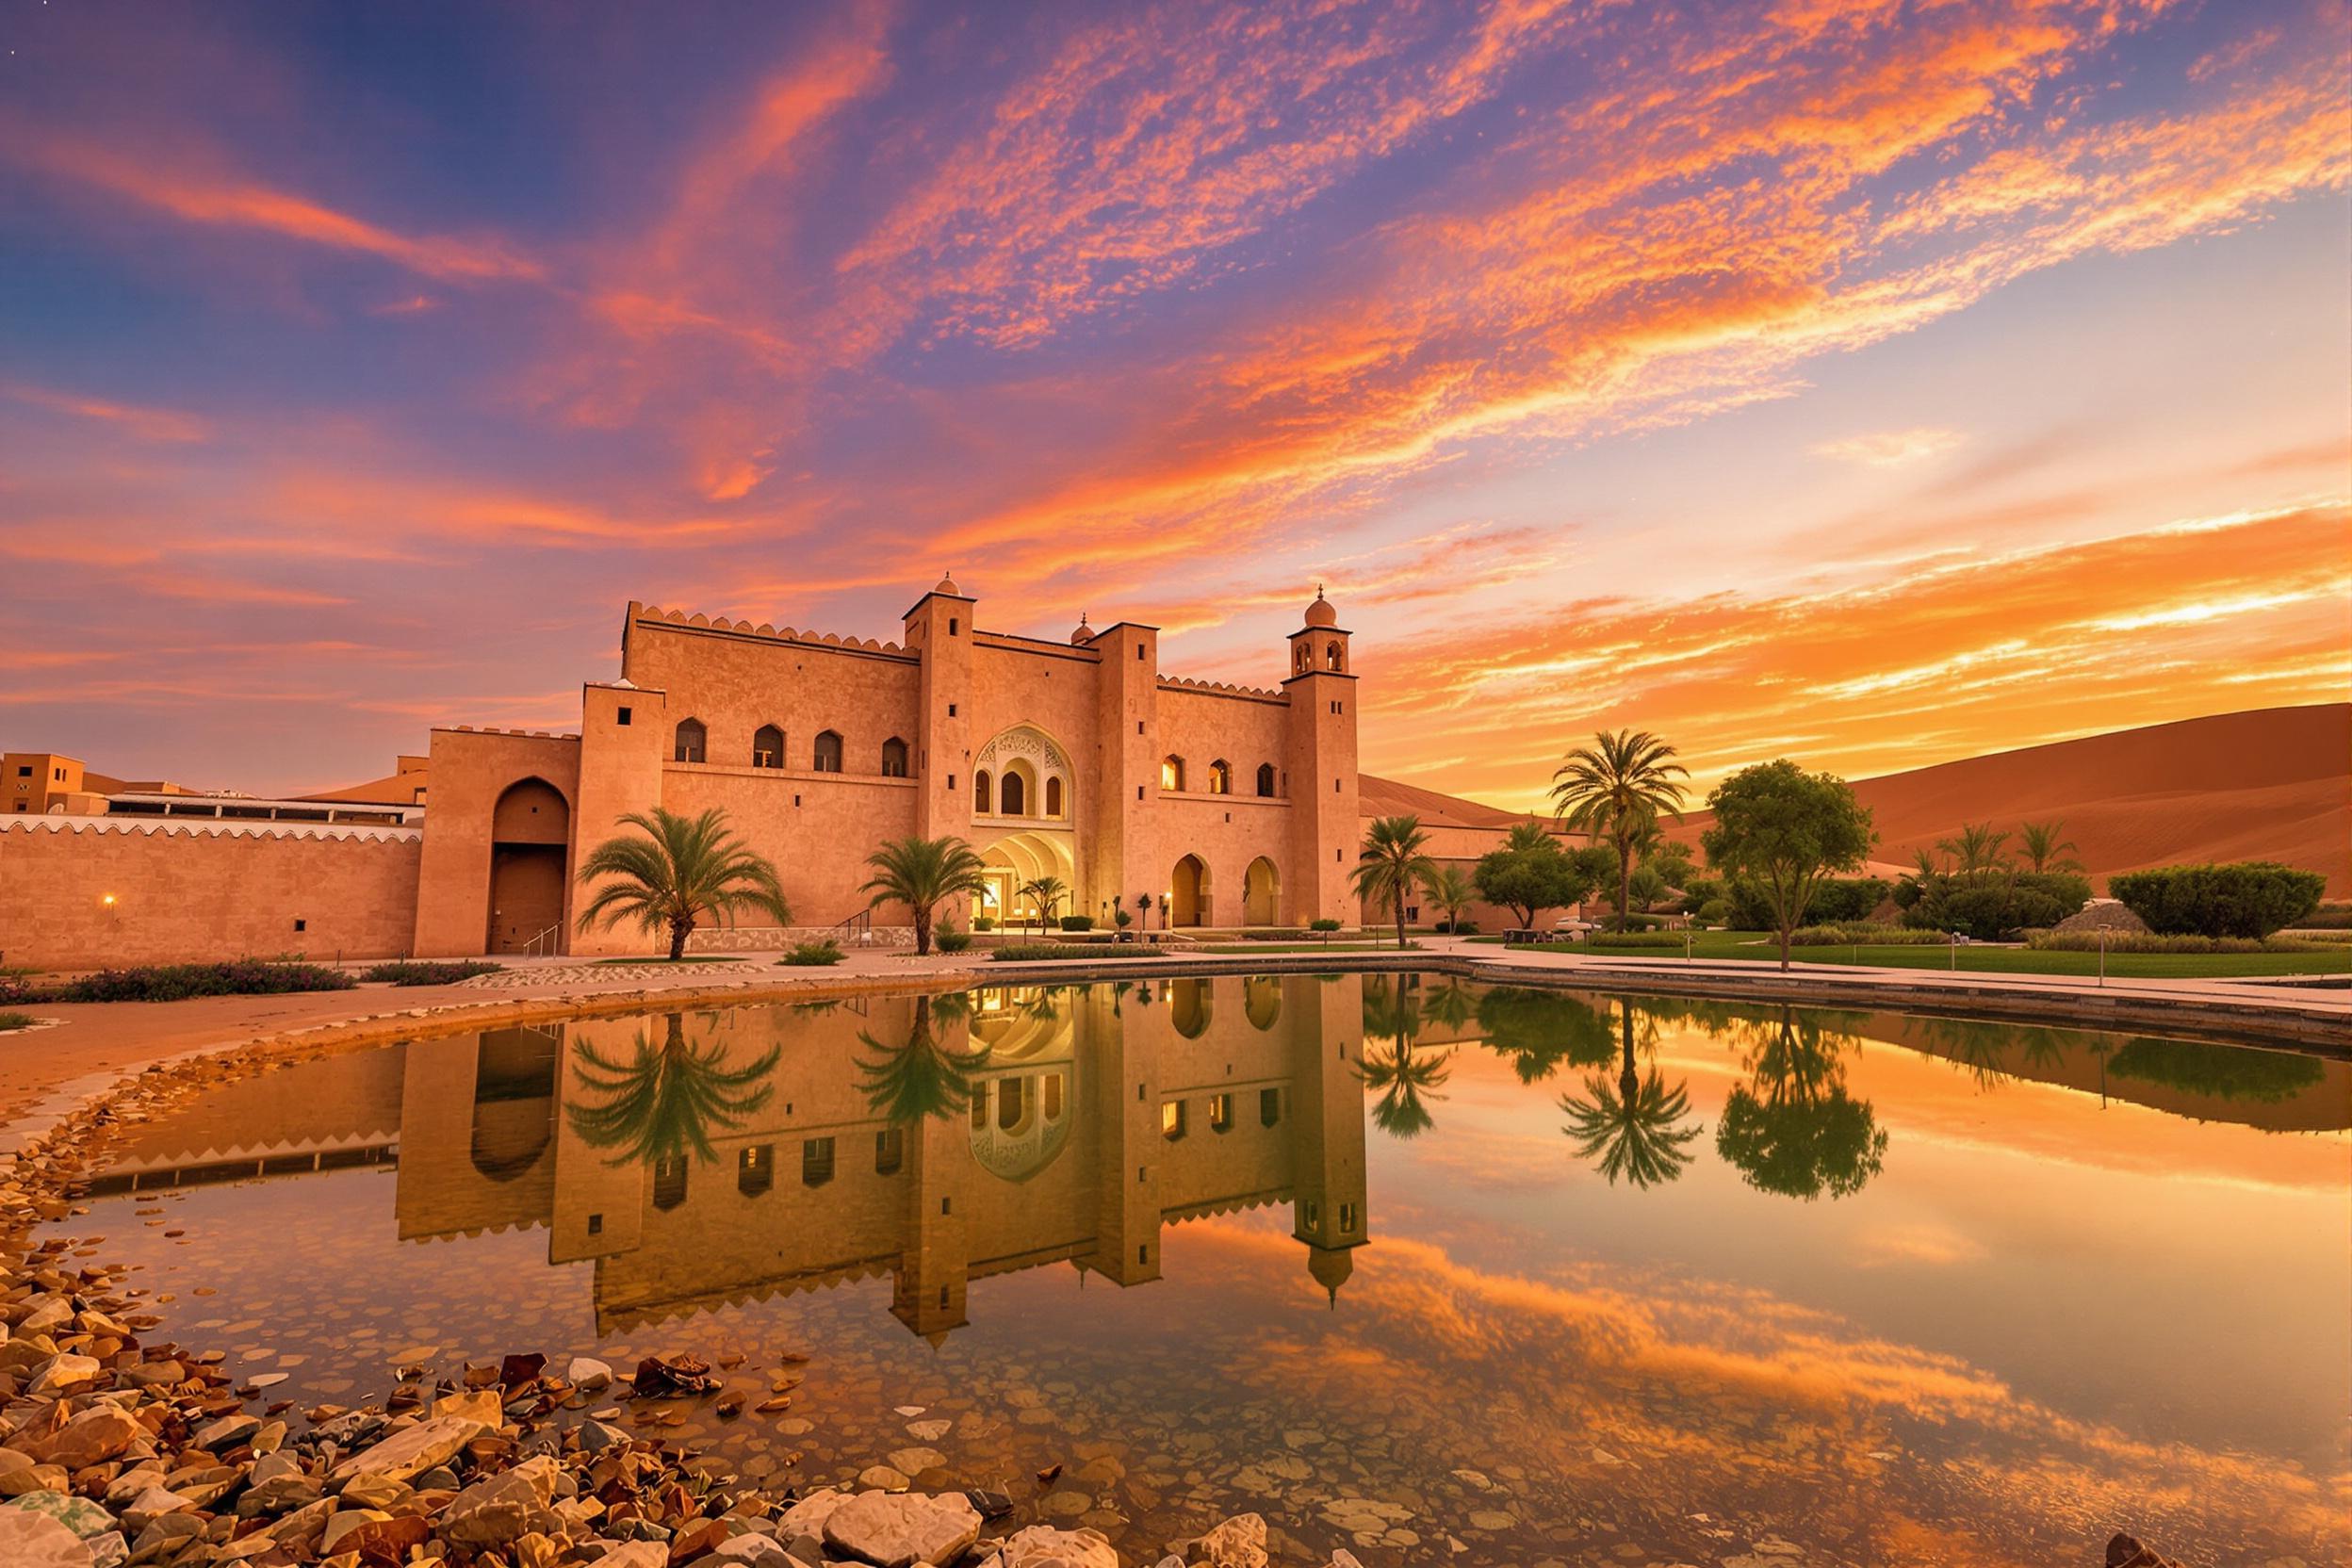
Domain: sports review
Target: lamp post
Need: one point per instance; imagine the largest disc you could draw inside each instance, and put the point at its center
(2102, 959)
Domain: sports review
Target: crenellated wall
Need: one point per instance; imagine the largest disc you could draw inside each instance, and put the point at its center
(199, 890)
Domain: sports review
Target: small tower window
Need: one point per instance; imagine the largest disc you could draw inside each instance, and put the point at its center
(1265, 780)
(1331, 655)
(1220, 777)
(692, 741)
(1299, 657)
(983, 791)
(1172, 772)
(893, 758)
(767, 748)
(1054, 797)
(828, 752)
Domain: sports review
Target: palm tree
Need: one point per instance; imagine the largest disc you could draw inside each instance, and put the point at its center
(1617, 787)
(923, 873)
(682, 868)
(1047, 894)
(1448, 888)
(2044, 849)
(1635, 1126)
(663, 1100)
(904, 1084)
(1407, 1079)
(1976, 852)
(1392, 863)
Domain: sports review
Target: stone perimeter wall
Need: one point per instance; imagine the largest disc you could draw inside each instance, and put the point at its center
(187, 892)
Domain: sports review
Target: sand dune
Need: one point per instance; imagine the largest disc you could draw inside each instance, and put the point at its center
(2269, 784)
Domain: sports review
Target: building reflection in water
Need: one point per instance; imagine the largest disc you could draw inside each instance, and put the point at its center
(703, 1158)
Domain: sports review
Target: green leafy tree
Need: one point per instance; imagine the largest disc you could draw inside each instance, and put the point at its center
(923, 873)
(1635, 1129)
(674, 871)
(1392, 861)
(659, 1101)
(1617, 789)
(1793, 1128)
(1449, 888)
(1532, 873)
(2250, 898)
(1784, 829)
(1539, 1029)
(2046, 847)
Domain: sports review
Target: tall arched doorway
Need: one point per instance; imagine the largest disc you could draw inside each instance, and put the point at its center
(1188, 893)
(530, 834)
(1259, 888)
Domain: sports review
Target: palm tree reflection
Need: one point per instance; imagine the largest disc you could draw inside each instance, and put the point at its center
(1633, 1129)
(1408, 1077)
(1793, 1128)
(923, 1077)
(662, 1101)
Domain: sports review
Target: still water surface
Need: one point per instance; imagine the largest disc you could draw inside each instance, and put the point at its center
(1438, 1272)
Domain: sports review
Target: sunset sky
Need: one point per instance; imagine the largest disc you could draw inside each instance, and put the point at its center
(1871, 383)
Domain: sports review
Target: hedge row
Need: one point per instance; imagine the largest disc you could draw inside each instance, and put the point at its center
(429, 971)
(1030, 952)
(1865, 935)
(2249, 898)
(177, 982)
(2150, 941)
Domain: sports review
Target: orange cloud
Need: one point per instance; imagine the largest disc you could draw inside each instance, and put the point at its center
(148, 424)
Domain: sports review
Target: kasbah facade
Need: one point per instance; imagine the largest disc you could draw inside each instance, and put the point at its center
(1223, 806)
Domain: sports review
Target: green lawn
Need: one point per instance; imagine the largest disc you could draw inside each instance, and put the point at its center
(1294, 947)
(1759, 947)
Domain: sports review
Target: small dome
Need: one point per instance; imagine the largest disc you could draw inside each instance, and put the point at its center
(1320, 613)
(947, 585)
(1084, 634)
(1330, 1266)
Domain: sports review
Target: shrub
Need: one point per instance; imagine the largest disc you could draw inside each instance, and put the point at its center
(2150, 941)
(2249, 898)
(950, 937)
(1996, 906)
(1835, 900)
(1864, 933)
(1123, 919)
(1458, 927)
(2327, 917)
(1715, 911)
(1028, 953)
(815, 955)
(1077, 922)
(984, 923)
(1326, 923)
(176, 981)
(429, 971)
(10, 1021)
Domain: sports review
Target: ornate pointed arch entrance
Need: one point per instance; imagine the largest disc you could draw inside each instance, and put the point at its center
(1012, 862)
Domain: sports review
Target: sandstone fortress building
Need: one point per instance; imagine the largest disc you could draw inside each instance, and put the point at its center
(1222, 806)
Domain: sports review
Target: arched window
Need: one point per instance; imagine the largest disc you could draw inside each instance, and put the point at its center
(983, 793)
(767, 748)
(1220, 777)
(1012, 798)
(1299, 657)
(1331, 655)
(1265, 779)
(692, 741)
(828, 757)
(1172, 772)
(1053, 797)
(893, 758)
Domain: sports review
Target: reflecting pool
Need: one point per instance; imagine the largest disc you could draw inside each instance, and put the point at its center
(1438, 1272)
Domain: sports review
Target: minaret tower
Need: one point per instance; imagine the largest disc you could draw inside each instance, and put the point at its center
(1325, 828)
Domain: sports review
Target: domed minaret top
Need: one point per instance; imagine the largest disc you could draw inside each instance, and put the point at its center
(1320, 613)
(947, 585)
(1330, 1266)
(1084, 632)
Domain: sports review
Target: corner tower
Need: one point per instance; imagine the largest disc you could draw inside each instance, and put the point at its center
(1325, 829)
(938, 632)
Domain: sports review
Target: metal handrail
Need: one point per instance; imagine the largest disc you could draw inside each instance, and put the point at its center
(534, 950)
(858, 928)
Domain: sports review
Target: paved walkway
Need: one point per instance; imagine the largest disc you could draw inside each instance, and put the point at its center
(95, 1043)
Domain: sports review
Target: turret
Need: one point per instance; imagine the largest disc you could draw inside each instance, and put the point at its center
(1325, 828)
(938, 631)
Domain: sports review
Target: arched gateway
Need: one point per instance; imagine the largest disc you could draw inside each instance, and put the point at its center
(529, 830)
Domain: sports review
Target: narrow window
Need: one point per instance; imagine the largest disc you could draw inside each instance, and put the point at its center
(1220, 777)
(951, 710)
(893, 758)
(1138, 653)
(669, 1181)
(1331, 656)
(767, 748)
(1172, 1119)
(816, 1162)
(1053, 797)
(953, 624)
(755, 1170)
(621, 717)
(1265, 779)
(1347, 1219)
(1269, 1107)
(1172, 772)
(692, 741)
(1220, 1113)
(828, 752)
(983, 791)
(890, 1151)
(1012, 795)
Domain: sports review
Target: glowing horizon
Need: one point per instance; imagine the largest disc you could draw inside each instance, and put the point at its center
(1864, 384)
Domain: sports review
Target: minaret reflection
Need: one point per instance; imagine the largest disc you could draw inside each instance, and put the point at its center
(722, 1156)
